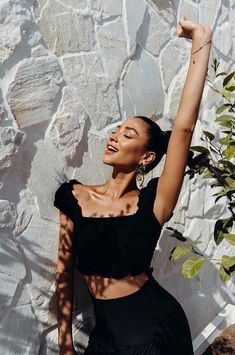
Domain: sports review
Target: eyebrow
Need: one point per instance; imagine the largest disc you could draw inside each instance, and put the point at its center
(130, 129)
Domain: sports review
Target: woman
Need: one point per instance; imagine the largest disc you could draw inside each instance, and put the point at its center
(113, 229)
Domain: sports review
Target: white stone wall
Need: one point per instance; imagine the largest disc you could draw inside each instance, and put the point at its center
(69, 71)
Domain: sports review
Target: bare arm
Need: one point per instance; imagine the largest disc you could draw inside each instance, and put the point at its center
(64, 286)
(171, 179)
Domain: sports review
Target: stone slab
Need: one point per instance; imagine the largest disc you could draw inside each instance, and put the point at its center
(64, 29)
(67, 128)
(85, 72)
(143, 83)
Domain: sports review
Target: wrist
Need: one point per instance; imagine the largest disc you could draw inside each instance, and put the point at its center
(201, 35)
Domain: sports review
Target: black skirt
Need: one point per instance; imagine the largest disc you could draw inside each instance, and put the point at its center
(149, 321)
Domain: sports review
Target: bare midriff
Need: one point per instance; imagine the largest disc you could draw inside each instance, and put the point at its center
(108, 288)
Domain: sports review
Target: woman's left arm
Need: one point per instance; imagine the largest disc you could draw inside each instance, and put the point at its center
(171, 179)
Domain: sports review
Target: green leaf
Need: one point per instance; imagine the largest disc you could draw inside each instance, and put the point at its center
(229, 152)
(226, 139)
(220, 74)
(215, 65)
(222, 226)
(217, 198)
(227, 117)
(231, 182)
(177, 234)
(224, 274)
(207, 174)
(222, 108)
(170, 228)
(196, 242)
(230, 238)
(227, 121)
(209, 135)
(192, 266)
(230, 88)
(198, 148)
(226, 94)
(228, 262)
(178, 252)
(228, 78)
(221, 193)
(230, 165)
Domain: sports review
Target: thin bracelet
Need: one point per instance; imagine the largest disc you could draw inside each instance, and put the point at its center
(202, 46)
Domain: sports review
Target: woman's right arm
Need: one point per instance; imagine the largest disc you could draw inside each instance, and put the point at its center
(64, 286)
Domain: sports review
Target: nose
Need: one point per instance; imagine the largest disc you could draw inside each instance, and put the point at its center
(113, 136)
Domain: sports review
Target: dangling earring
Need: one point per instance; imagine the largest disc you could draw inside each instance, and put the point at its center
(140, 171)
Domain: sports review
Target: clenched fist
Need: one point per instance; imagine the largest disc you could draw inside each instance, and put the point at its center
(192, 30)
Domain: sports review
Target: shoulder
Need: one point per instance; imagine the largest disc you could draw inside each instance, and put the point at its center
(148, 192)
(151, 187)
(152, 183)
(62, 189)
(66, 187)
(63, 198)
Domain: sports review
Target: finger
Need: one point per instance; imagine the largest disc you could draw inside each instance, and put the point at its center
(182, 20)
(179, 31)
(187, 24)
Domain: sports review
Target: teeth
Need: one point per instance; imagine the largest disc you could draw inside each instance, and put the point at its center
(111, 148)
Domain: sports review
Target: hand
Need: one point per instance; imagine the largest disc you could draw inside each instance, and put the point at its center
(193, 30)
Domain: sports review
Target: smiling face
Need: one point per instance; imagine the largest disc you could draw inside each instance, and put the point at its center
(126, 145)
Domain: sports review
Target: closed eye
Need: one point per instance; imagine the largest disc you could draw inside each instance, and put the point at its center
(114, 132)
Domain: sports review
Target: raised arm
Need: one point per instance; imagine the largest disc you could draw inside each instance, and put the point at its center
(171, 179)
(64, 286)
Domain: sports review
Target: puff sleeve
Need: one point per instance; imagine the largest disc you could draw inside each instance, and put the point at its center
(151, 193)
(64, 201)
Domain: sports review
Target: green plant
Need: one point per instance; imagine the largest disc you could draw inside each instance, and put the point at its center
(215, 163)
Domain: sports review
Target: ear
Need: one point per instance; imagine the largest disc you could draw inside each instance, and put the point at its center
(148, 158)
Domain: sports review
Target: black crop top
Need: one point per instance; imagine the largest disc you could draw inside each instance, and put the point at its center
(112, 246)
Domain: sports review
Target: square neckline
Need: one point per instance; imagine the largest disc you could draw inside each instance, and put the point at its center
(76, 182)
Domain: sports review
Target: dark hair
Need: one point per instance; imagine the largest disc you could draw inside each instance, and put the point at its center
(157, 141)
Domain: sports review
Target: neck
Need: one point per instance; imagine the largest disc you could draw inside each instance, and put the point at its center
(120, 183)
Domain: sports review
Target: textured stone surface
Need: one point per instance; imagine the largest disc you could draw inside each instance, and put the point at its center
(208, 11)
(25, 211)
(166, 8)
(33, 91)
(12, 262)
(70, 70)
(16, 24)
(85, 72)
(145, 91)
(28, 342)
(106, 11)
(8, 214)
(189, 9)
(220, 35)
(113, 47)
(64, 29)
(67, 128)
(44, 179)
(134, 24)
(159, 33)
(169, 69)
(10, 140)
